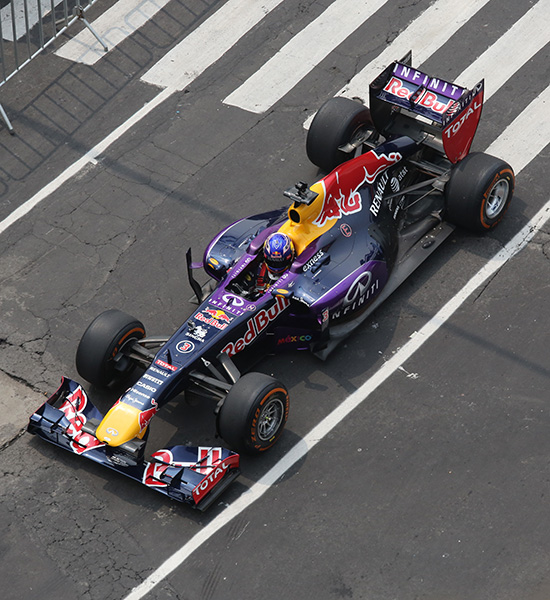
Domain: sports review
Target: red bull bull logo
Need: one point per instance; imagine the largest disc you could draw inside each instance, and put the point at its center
(215, 317)
(145, 416)
(342, 186)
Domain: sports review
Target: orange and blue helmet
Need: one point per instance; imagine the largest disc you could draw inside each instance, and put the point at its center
(278, 252)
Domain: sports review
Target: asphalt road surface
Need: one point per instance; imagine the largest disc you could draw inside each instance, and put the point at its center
(437, 484)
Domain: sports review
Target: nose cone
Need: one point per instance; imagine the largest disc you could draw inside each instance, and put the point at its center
(121, 424)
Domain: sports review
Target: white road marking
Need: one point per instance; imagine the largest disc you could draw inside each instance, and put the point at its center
(89, 158)
(204, 46)
(424, 36)
(200, 49)
(522, 41)
(20, 25)
(526, 136)
(520, 148)
(302, 54)
(510, 52)
(517, 143)
(113, 26)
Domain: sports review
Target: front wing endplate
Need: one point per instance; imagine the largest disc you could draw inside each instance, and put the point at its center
(196, 475)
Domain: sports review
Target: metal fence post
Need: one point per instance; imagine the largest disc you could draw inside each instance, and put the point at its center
(6, 120)
(30, 30)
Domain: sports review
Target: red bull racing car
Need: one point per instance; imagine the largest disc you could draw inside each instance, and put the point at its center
(397, 178)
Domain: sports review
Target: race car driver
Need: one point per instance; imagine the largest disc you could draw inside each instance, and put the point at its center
(279, 253)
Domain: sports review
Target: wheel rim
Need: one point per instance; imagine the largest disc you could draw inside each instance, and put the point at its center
(270, 419)
(496, 200)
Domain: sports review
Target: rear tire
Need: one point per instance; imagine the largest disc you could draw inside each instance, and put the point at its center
(98, 357)
(338, 122)
(254, 413)
(479, 192)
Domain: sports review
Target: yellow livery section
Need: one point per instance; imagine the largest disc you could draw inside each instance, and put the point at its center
(301, 226)
(121, 424)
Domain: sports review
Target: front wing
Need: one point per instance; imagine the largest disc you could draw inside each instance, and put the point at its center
(196, 475)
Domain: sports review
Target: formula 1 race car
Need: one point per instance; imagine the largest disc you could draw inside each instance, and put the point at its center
(398, 178)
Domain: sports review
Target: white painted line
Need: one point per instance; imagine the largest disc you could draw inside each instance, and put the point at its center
(522, 41)
(113, 27)
(205, 45)
(515, 148)
(302, 54)
(20, 25)
(510, 52)
(424, 36)
(212, 34)
(81, 163)
(527, 136)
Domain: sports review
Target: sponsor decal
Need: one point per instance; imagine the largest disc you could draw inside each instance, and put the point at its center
(347, 200)
(460, 124)
(395, 204)
(209, 463)
(293, 339)
(257, 324)
(241, 267)
(425, 98)
(134, 391)
(324, 315)
(151, 378)
(165, 365)
(313, 261)
(159, 372)
(232, 300)
(455, 127)
(207, 459)
(362, 288)
(229, 302)
(378, 196)
(433, 84)
(197, 333)
(146, 386)
(154, 470)
(215, 317)
(217, 314)
(346, 230)
(458, 106)
(185, 346)
(130, 399)
(216, 474)
(73, 409)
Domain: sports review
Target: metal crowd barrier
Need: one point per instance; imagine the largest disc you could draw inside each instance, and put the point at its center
(29, 26)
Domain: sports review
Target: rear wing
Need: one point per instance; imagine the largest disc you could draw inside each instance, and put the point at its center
(443, 110)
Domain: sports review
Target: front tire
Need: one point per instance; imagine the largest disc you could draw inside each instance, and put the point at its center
(479, 192)
(254, 413)
(338, 122)
(98, 358)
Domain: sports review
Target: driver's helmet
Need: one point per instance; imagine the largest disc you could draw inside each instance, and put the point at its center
(278, 253)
